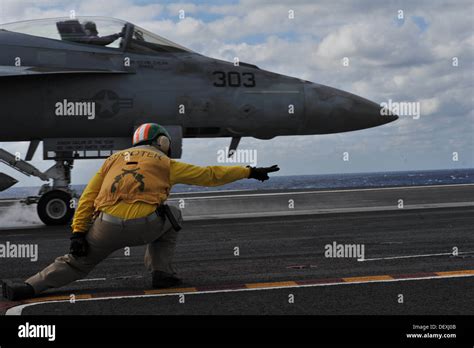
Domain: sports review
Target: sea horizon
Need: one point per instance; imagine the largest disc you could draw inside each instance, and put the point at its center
(309, 181)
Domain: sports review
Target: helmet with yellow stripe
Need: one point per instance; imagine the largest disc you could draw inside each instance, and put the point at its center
(152, 134)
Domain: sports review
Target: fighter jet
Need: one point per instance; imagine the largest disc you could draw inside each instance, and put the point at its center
(81, 86)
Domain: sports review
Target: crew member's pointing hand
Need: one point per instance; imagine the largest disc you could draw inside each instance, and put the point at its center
(262, 173)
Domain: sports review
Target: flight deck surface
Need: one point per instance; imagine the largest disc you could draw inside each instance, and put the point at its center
(424, 252)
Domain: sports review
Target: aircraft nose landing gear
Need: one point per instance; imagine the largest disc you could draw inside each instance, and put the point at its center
(55, 207)
(56, 204)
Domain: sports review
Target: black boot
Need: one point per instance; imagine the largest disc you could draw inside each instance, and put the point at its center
(164, 280)
(15, 291)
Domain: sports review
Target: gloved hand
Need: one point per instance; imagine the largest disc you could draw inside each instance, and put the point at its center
(262, 173)
(79, 245)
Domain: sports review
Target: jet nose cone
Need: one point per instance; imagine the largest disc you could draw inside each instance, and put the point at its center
(366, 113)
(330, 110)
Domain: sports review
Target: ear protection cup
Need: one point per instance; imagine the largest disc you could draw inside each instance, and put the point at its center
(164, 144)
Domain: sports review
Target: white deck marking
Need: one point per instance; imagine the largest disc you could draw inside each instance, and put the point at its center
(316, 211)
(271, 92)
(414, 256)
(19, 309)
(90, 280)
(330, 191)
(113, 278)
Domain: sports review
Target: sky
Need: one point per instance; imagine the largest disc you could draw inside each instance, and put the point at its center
(402, 51)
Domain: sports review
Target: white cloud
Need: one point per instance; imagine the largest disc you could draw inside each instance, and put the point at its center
(429, 106)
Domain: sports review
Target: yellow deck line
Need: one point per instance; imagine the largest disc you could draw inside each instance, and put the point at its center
(168, 291)
(449, 273)
(367, 278)
(58, 298)
(270, 285)
(248, 286)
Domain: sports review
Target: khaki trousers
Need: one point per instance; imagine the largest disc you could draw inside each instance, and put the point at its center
(104, 238)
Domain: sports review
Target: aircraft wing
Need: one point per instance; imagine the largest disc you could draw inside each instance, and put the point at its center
(31, 70)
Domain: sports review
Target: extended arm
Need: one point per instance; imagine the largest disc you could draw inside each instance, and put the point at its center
(184, 173)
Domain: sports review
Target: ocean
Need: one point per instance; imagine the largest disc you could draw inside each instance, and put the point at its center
(310, 182)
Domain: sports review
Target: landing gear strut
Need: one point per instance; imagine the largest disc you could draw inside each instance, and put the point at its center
(56, 202)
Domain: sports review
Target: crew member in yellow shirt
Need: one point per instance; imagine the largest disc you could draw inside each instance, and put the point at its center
(124, 205)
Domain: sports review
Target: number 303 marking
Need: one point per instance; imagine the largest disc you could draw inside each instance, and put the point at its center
(234, 79)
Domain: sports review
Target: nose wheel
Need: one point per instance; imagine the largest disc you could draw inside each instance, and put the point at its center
(54, 208)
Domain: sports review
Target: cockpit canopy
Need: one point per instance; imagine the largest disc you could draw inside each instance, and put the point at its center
(98, 31)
